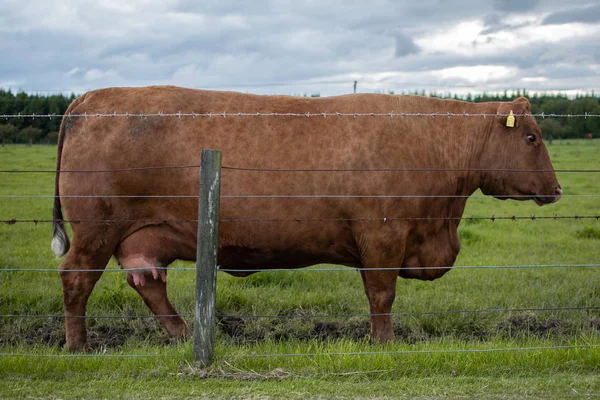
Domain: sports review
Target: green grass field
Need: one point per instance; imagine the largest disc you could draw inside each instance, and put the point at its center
(435, 355)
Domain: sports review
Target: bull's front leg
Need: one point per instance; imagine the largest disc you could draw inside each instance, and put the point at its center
(380, 259)
(380, 288)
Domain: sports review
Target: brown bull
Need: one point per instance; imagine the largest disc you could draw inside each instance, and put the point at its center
(460, 154)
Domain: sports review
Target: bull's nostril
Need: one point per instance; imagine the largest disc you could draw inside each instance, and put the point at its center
(558, 193)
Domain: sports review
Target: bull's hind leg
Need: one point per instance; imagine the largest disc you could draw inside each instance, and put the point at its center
(78, 284)
(142, 254)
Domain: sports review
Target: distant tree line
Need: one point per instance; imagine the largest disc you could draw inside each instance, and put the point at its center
(45, 130)
(31, 130)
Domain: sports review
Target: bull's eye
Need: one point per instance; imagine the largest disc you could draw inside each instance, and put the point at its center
(530, 138)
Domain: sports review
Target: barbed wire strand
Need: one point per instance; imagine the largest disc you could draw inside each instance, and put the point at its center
(329, 269)
(385, 219)
(83, 355)
(291, 114)
(408, 352)
(60, 316)
(301, 196)
(326, 354)
(400, 169)
(493, 218)
(314, 269)
(53, 171)
(310, 316)
(404, 169)
(415, 313)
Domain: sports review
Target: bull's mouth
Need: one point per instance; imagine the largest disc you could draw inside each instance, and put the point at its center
(540, 199)
(543, 200)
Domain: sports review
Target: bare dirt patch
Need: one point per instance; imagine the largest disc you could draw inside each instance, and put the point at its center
(114, 333)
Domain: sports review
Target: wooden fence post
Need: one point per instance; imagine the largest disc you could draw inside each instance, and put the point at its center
(206, 255)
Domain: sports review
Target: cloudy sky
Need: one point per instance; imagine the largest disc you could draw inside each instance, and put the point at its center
(301, 46)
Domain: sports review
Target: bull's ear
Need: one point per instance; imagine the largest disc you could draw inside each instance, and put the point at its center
(522, 105)
(518, 107)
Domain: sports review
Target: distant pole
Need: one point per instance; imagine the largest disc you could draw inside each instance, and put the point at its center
(206, 255)
(355, 82)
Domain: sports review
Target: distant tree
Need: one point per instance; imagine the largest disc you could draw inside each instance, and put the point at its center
(52, 137)
(30, 134)
(7, 131)
(555, 105)
(552, 129)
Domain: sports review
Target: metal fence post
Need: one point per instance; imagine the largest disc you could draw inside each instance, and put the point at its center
(206, 255)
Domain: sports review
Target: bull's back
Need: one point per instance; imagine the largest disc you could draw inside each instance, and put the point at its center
(253, 142)
(256, 141)
(109, 143)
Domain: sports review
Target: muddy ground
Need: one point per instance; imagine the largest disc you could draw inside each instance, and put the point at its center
(113, 333)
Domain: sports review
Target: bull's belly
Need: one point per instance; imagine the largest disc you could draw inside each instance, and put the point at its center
(242, 261)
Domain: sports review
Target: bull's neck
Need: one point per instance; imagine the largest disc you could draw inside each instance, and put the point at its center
(463, 157)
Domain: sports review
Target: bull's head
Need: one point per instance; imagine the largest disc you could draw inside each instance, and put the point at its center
(518, 148)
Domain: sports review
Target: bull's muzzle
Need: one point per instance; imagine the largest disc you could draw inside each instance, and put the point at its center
(549, 199)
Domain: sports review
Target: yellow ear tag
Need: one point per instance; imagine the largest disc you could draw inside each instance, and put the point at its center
(510, 120)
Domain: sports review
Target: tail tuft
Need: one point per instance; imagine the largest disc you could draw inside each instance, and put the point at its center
(60, 241)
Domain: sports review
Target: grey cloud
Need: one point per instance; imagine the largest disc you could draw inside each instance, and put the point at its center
(515, 6)
(524, 59)
(269, 46)
(494, 23)
(405, 46)
(585, 15)
(35, 53)
(215, 6)
(567, 71)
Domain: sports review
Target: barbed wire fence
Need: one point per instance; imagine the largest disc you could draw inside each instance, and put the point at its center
(181, 115)
(224, 114)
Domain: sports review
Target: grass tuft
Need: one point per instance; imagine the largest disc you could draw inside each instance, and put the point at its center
(588, 233)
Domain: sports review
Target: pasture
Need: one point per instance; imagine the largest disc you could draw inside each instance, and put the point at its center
(492, 348)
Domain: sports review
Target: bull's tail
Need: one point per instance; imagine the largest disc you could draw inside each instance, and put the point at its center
(60, 240)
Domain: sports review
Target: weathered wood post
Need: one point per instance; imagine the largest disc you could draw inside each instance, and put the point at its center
(206, 255)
